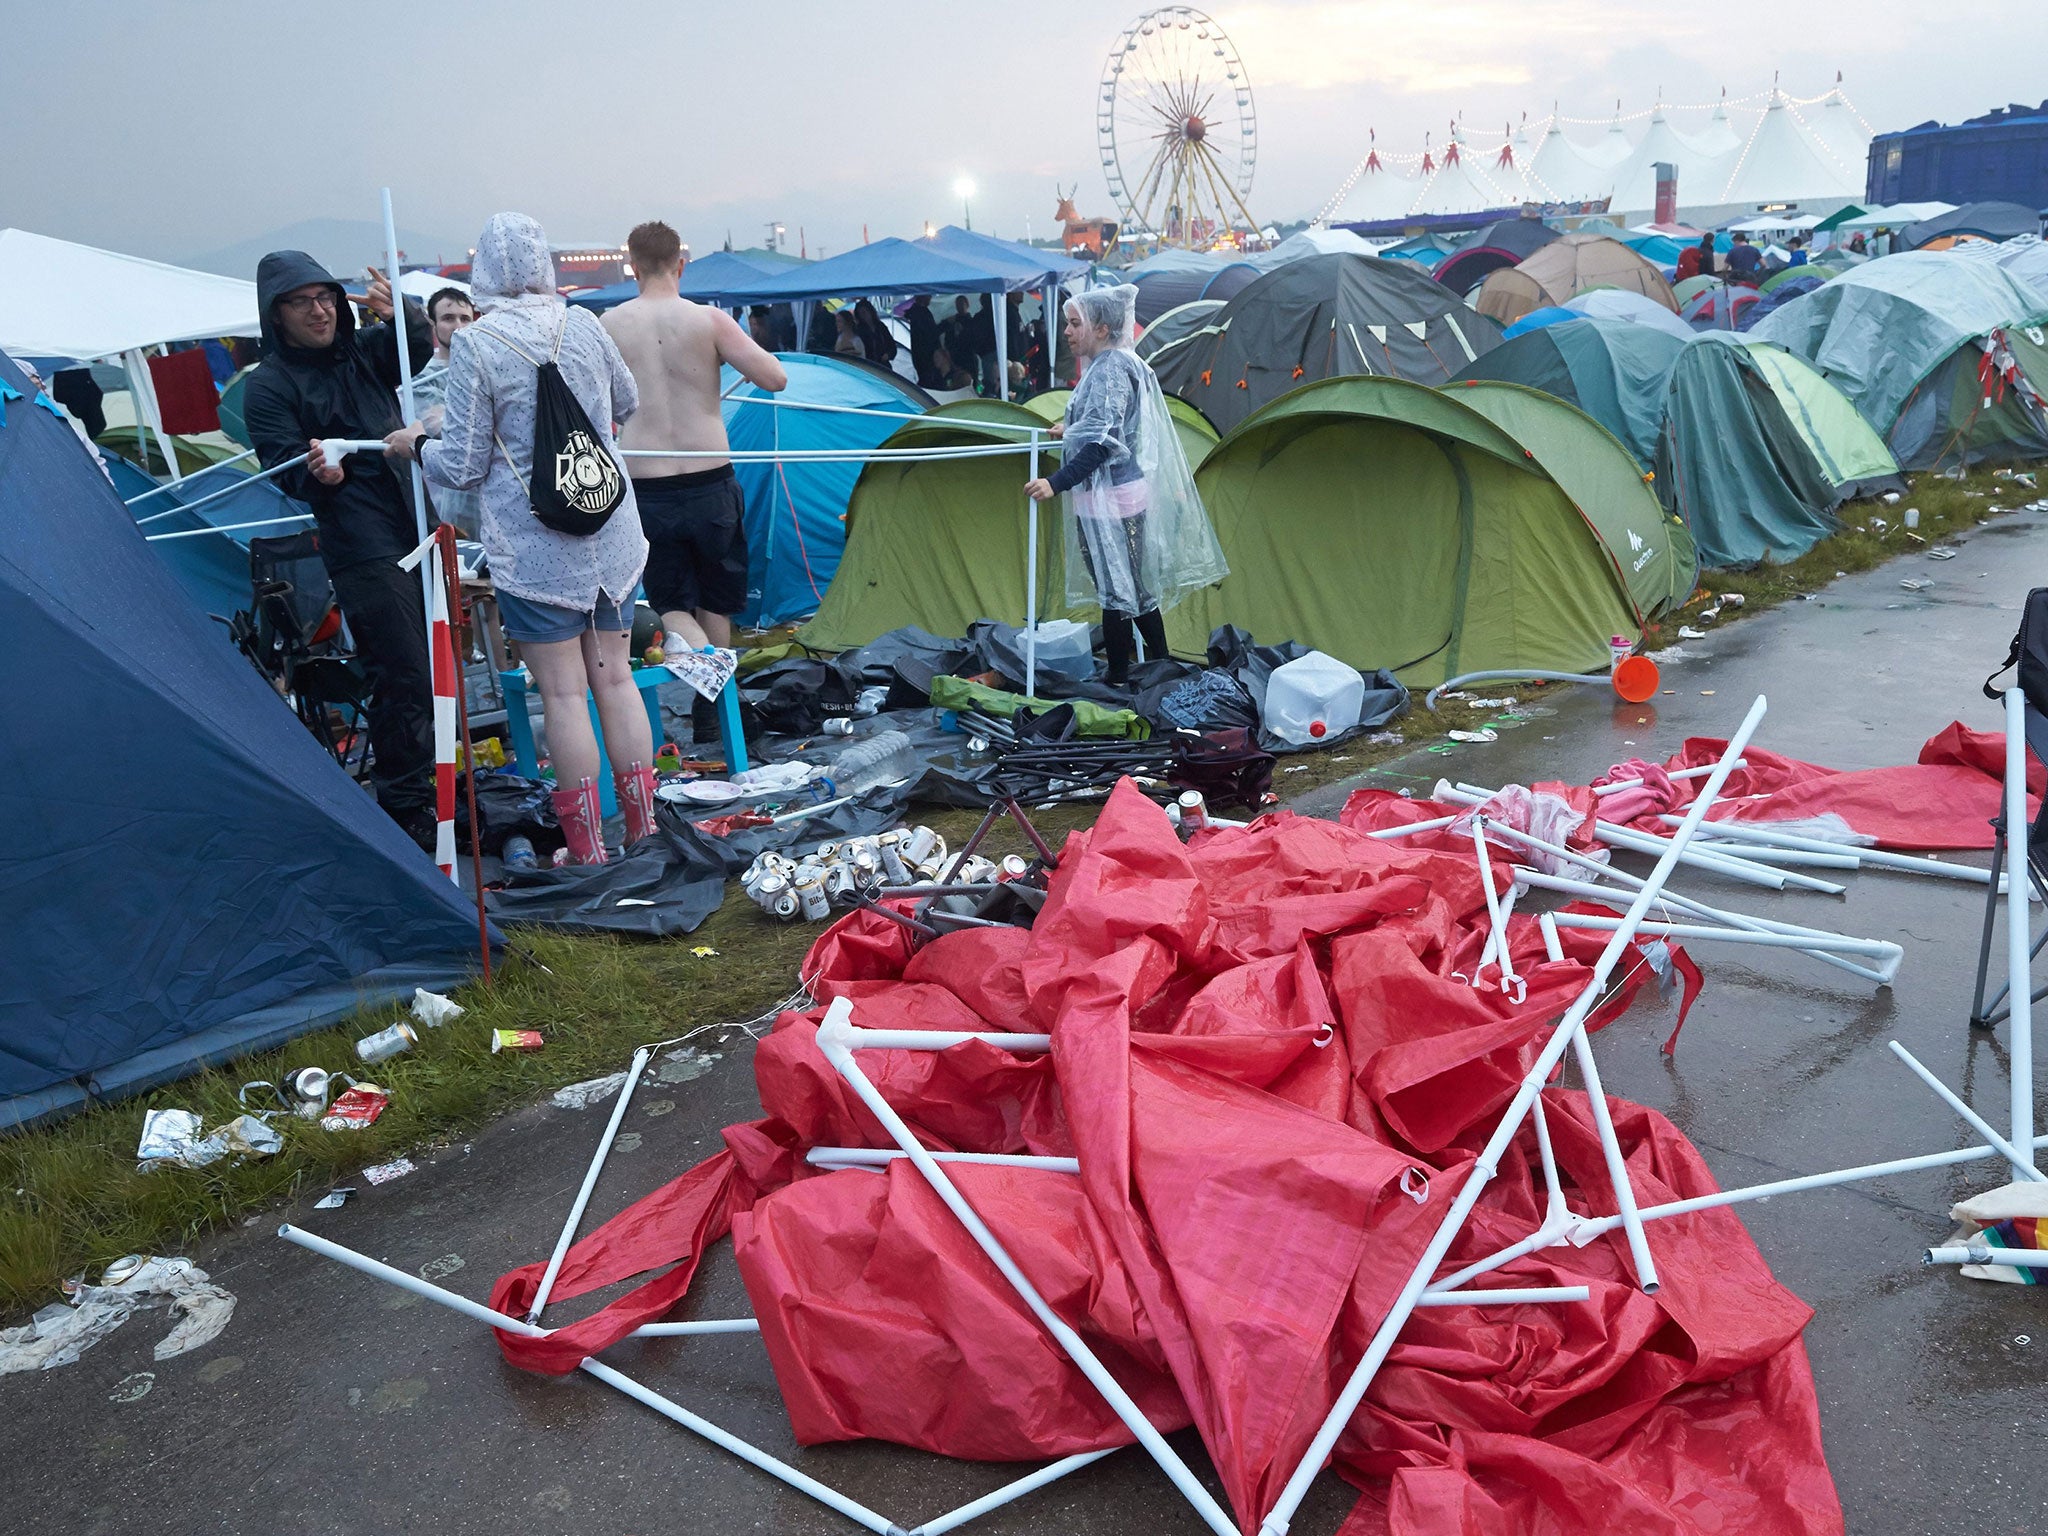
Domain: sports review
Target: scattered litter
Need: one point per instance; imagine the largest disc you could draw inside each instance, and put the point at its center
(583, 1095)
(1706, 693)
(1479, 738)
(683, 1066)
(516, 1040)
(1913, 584)
(1941, 552)
(707, 671)
(1493, 703)
(1295, 768)
(1890, 498)
(1384, 738)
(132, 1389)
(432, 1009)
(1669, 654)
(358, 1107)
(384, 1173)
(170, 1137)
(60, 1333)
(704, 952)
(632, 901)
(335, 1198)
(775, 778)
(1340, 757)
(387, 1043)
(1733, 599)
(1687, 632)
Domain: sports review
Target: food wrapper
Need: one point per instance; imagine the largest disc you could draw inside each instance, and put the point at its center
(358, 1107)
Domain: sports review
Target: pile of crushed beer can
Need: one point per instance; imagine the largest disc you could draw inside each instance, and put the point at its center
(844, 872)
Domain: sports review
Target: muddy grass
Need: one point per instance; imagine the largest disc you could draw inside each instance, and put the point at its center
(71, 1198)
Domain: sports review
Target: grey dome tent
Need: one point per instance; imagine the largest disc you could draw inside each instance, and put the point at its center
(229, 891)
(1325, 317)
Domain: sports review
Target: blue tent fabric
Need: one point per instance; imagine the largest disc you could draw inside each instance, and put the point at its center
(1616, 371)
(212, 568)
(892, 266)
(1026, 262)
(707, 279)
(796, 511)
(230, 889)
(1536, 320)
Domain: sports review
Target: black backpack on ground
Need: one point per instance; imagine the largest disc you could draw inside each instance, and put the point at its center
(576, 485)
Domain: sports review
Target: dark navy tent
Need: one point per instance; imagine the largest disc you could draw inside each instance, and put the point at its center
(1985, 221)
(189, 877)
(1503, 243)
(796, 510)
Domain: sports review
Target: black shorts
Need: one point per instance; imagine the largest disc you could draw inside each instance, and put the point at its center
(697, 542)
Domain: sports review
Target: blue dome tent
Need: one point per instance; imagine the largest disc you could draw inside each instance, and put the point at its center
(796, 511)
(236, 892)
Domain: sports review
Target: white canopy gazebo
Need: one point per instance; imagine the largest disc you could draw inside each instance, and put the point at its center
(60, 299)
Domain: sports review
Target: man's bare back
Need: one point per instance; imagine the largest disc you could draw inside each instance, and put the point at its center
(674, 349)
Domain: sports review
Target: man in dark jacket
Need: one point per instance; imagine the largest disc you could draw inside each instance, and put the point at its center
(924, 340)
(321, 378)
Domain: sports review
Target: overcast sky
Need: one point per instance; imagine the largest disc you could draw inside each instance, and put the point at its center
(170, 130)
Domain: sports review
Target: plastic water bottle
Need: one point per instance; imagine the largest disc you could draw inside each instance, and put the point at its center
(884, 758)
(518, 853)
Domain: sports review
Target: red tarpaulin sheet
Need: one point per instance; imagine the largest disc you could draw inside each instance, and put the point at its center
(1945, 800)
(1255, 1038)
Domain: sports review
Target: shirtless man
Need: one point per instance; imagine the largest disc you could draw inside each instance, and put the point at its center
(690, 509)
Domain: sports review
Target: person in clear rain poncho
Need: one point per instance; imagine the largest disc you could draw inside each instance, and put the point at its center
(1137, 538)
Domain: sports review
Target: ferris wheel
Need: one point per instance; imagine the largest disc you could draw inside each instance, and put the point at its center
(1177, 131)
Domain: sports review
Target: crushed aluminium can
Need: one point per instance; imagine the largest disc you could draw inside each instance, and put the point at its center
(358, 1107)
(387, 1043)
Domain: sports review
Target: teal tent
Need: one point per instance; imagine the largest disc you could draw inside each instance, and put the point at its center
(1758, 450)
(1614, 370)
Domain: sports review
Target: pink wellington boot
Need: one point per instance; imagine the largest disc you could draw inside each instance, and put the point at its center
(635, 789)
(582, 822)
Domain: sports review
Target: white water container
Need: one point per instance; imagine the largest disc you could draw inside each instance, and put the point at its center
(1063, 647)
(1313, 698)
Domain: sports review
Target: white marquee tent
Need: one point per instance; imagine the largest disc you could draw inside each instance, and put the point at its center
(60, 299)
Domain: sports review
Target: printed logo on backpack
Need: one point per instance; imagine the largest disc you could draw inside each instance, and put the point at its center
(585, 488)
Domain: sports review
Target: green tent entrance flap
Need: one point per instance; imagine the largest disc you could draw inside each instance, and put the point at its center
(1392, 526)
(940, 543)
(1654, 551)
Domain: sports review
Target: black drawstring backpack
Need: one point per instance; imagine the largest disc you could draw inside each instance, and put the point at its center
(576, 485)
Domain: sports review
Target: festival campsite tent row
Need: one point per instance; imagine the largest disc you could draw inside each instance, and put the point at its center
(239, 892)
(1946, 355)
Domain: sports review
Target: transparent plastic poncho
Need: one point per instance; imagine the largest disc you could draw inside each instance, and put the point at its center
(1137, 536)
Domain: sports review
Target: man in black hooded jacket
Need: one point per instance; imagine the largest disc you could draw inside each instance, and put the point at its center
(322, 378)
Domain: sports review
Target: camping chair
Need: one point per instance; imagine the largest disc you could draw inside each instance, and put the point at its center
(293, 634)
(2016, 850)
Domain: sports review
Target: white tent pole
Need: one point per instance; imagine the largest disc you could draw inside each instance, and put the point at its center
(1031, 583)
(2018, 927)
(428, 573)
(1053, 308)
(149, 416)
(1001, 315)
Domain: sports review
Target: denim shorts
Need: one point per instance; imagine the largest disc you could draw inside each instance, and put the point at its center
(544, 624)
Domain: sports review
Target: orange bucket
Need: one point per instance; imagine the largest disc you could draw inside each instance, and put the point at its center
(1635, 679)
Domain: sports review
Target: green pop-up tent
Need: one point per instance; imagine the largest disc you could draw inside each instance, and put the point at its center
(1758, 451)
(940, 543)
(1654, 551)
(1393, 526)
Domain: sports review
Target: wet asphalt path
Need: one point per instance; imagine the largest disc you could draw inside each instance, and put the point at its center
(333, 1404)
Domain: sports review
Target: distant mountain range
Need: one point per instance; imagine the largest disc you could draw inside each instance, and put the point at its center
(343, 246)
